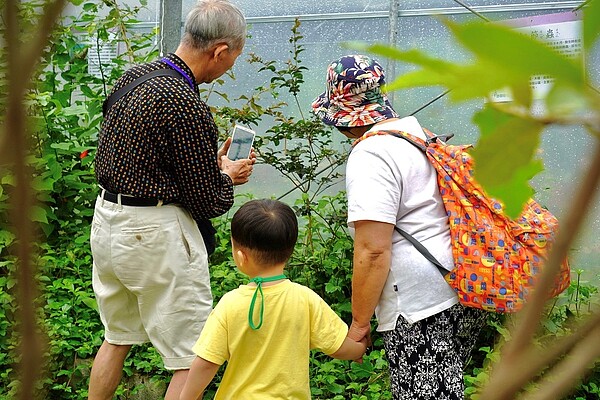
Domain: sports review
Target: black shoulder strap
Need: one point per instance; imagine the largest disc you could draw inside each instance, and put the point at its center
(112, 99)
(423, 250)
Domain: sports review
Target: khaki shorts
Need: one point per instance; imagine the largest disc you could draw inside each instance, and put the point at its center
(151, 278)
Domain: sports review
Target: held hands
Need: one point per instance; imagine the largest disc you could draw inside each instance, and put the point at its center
(240, 170)
(360, 333)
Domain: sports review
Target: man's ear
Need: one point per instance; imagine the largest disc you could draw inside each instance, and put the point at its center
(220, 50)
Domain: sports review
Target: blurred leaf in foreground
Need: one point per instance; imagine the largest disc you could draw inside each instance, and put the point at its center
(504, 157)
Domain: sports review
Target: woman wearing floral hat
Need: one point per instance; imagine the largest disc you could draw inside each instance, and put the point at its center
(427, 334)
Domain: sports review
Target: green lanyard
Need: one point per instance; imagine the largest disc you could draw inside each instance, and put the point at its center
(259, 281)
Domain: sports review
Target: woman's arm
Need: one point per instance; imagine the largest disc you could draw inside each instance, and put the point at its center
(372, 259)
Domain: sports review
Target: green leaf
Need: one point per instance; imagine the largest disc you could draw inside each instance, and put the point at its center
(8, 179)
(43, 184)
(505, 47)
(6, 238)
(479, 80)
(591, 23)
(565, 100)
(488, 119)
(515, 192)
(414, 79)
(503, 157)
(90, 302)
(410, 56)
(38, 214)
(62, 146)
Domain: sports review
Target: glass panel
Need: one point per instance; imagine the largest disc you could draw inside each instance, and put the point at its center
(262, 8)
(480, 4)
(565, 150)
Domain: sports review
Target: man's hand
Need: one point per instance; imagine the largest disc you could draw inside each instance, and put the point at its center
(239, 171)
(225, 148)
(223, 151)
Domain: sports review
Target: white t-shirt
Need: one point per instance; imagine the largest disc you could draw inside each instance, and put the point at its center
(390, 180)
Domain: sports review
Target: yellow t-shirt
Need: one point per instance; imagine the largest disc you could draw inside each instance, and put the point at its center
(271, 362)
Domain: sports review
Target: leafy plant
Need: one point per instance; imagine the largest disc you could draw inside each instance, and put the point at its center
(64, 113)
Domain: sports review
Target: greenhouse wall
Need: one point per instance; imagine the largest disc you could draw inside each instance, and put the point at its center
(327, 27)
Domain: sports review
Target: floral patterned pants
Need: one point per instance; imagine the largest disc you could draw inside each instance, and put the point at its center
(426, 359)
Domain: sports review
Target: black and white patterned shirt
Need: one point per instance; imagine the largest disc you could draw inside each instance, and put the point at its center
(160, 141)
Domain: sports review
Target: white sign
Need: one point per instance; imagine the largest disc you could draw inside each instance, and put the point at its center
(562, 32)
(100, 56)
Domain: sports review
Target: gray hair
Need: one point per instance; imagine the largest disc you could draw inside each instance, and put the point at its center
(213, 21)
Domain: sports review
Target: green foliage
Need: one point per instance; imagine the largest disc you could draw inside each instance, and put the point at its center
(340, 380)
(65, 112)
(503, 58)
(64, 109)
(498, 131)
(564, 312)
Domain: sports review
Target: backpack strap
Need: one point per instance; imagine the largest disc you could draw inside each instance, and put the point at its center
(419, 246)
(417, 141)
(112, 99)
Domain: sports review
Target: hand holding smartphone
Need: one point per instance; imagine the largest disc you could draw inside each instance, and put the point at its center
(242, 140)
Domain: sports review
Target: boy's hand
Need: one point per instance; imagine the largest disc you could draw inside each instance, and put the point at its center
(366, 343)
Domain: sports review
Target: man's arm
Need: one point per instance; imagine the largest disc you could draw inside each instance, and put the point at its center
(372, 259)
(200, 375)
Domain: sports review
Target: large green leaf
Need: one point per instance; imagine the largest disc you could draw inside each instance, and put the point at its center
(591, 23)
(504, 157)
(505, 58)
(418, 78)
(518, 55)
(409, 56)
(516, 191)
(38, 214)
(488, 119)
(565, 100)
(481, 79)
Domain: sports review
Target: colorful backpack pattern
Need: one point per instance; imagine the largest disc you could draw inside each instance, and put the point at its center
(497, 260)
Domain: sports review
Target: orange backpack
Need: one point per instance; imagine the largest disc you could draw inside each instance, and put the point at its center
(497, 260)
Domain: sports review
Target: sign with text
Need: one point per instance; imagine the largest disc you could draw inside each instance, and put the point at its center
(563, 32)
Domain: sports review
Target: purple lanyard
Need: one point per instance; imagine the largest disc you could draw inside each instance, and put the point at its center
(182, 72)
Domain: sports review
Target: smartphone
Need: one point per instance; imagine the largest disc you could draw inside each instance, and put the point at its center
(241, 143)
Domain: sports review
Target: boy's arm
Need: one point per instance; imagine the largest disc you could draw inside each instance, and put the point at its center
(351, 349)
(200, 375)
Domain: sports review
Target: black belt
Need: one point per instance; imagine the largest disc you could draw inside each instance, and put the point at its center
(129, 201)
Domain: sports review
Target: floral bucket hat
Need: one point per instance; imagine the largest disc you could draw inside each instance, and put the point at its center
(353, 96)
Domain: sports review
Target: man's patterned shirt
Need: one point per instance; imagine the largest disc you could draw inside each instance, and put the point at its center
(160, 141)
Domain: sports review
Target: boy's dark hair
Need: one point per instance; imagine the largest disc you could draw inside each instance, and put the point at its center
(268, 228)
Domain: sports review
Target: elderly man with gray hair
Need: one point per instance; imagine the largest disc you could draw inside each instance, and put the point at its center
(161, 178)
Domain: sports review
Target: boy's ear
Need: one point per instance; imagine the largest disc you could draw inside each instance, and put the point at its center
(242, 256)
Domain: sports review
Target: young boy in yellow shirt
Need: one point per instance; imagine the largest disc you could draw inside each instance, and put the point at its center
(266, 329)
